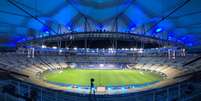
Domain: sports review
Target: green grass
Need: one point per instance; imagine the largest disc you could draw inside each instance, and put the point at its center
(102, 77)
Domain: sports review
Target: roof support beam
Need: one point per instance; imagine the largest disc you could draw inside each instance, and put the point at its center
(165, 17)
(32, 16)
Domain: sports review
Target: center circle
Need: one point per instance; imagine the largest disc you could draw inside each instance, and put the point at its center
(81, 77)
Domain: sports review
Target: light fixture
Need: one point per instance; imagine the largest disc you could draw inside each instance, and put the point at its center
(54, 47)
(159, 30)
(43, 46)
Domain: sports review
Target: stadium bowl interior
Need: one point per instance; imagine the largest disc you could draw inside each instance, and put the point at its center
(100, 50)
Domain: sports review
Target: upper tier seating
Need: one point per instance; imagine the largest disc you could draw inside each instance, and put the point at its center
(38, 64)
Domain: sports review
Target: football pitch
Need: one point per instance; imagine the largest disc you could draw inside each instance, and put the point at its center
(102, 77)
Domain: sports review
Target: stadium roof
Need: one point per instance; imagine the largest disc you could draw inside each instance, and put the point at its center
(180, 19)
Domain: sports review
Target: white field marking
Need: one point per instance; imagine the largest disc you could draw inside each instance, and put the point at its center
(60, 71)
(141, 73)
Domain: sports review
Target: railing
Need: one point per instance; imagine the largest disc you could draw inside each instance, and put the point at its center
(192, 61)
(179, 92)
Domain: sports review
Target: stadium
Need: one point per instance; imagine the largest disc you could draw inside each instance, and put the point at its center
(100, 50)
